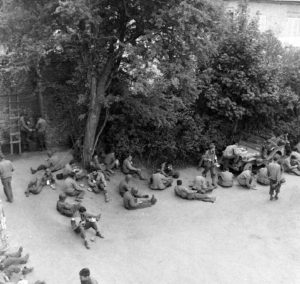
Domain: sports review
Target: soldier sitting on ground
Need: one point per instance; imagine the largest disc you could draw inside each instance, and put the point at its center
(160, 182)
(83, 221)
(247, 179)
(97, 182)
(132, 200)
(225, 179)
(110, 161)
(201, 185)
(71, 188)
(168, 171)
(128, 168)
(66, 208)
(291, 165)
(125, 185)
(262, 176)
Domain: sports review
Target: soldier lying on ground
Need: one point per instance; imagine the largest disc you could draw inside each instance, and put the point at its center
(36, 185)
(9, 269)
(55, 161)
(191, 194)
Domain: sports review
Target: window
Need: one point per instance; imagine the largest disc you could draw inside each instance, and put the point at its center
(262, 21)
(293, 27)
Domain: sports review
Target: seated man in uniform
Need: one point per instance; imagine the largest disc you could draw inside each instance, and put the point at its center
(71, 188)
(159, 182)
(225, 179)
(262, 176)
(96, 165)
(97, 182)
(168, 171)
(291, 165)
(191, 194)
(247, 179)
(201, 185)
(83, 221)
(128, 168)
(55, 161)
(111, 161)
(131, 200)
(66, 208)
(125, 185)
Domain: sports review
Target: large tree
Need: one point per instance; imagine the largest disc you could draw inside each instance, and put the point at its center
(156, 45)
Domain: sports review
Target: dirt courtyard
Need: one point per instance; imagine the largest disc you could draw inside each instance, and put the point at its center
(242, 238)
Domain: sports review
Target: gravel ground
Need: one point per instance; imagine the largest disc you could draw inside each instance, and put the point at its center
(242, 238)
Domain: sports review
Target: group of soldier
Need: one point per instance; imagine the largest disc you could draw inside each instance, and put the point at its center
(74, 181)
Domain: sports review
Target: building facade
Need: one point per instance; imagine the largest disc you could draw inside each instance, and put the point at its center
(282, 17)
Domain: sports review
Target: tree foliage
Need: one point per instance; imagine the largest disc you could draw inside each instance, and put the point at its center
(158, 78)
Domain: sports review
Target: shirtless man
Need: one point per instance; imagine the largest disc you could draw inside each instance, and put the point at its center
(247, 179)
(160, 182)
(201, 185)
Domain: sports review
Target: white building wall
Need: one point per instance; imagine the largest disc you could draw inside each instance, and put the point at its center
(282, 18)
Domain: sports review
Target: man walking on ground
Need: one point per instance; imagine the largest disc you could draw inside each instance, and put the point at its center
(274, 174)
(41, 126)
(85, 277)
(6, 169)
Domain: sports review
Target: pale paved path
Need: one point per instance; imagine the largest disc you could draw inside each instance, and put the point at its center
(243, 238)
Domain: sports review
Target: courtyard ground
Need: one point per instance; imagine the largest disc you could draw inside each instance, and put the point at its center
(242, 238)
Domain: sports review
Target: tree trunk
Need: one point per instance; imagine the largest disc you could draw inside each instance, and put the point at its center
(40, 91)
(92, 122)
(97, 98)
